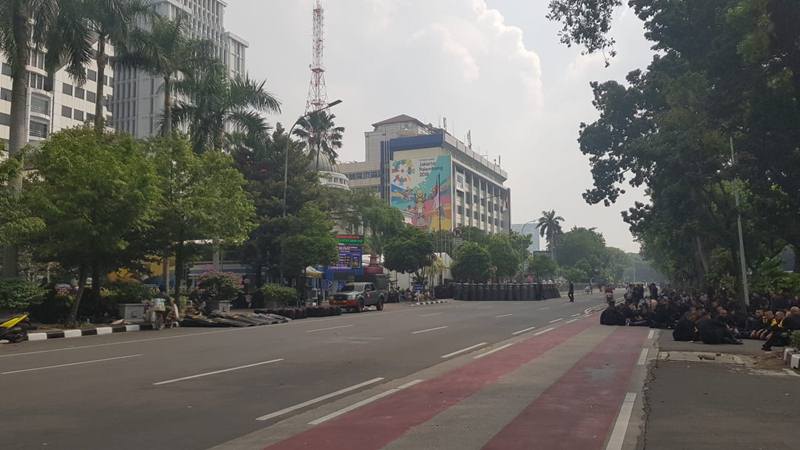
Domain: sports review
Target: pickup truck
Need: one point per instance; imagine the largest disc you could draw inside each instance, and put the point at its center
(357, 296)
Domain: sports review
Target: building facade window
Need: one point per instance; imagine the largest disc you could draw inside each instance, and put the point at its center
(40, 105)
(6, 70)
(38, 129)
(66, 88)
(91, 96)
(78, 115)
(80, 93)
(36, 81)
(66, 111)
(5, 94)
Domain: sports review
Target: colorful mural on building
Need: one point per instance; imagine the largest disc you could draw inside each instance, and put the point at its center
(421, 189)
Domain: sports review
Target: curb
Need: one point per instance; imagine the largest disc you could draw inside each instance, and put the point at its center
(88, 332)
(432, 302)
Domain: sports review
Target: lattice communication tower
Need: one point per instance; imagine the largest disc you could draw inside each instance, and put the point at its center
(317, 95)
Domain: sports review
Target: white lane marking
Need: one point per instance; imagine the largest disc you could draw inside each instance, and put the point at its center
(544, 308)
(642, 357)
(557, 320)
(463, 350)
(72, 333)
(430, 314)
(70, 364)
(546, 330)
(200, 375)
(576, 315)
(361, 403)
(43, 336)
(494, 350)
(429, 330)
(329, 328)
(651, 334)
(504, 315)
(621, 425)
(319, 399)
(523, 331)
(572, 320)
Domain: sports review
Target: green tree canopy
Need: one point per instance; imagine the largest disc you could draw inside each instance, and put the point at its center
(309, 241)
(203, 198)
(408, 251)
(472, 263)
(505, 258)
(542, 266)
(96, 194)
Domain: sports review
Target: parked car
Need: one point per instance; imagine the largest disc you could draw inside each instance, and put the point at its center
(358, 295)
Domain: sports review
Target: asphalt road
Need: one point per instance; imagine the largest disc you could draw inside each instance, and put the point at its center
(197, 388)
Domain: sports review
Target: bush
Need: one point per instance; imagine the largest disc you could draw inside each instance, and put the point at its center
(219, 286)
(55, 307)
(18, 295)
(275, 295)
(120, 292)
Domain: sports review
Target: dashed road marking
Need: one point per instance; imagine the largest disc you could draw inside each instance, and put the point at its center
(429, 330)
(361, 403)
(80, 363)
(523, 331)
(329, 328)
(621, 425)
(463, 350)
(319, 399)
(215, 372)
(494, 350)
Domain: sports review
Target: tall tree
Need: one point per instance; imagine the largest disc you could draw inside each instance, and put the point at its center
(549, 226)
(166, 50)
(214, 101)
(322, 136)
(84, 24)
(203, 198)
(472, 263)
(95, 193)
(409, 251)
(18, 31)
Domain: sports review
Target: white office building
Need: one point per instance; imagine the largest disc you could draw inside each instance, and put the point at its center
(138, 105)
(53, 104)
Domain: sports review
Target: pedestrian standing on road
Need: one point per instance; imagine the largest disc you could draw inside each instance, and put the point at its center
(571, 293)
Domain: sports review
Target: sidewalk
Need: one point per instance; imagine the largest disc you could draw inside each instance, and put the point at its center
(735, 397)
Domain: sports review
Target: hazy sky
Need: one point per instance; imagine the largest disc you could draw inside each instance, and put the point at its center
(495, 67)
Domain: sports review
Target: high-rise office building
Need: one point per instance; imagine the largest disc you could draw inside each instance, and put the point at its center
(138, 105)
(53, 104)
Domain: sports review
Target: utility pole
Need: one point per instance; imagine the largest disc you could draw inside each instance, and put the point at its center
(743, 264)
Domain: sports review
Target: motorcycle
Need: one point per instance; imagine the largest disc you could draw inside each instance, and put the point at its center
(15, 329)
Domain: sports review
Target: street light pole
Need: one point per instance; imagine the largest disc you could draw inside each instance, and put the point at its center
(286, 155)
(743, 264)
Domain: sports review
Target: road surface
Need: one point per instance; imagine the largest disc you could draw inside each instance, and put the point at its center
(459, 375)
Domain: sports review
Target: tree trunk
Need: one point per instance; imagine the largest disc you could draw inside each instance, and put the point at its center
(166, 129)
(102, 61)
(96, 284)
(18, 131)
(701, 255)
(178, 270)
(73, 313)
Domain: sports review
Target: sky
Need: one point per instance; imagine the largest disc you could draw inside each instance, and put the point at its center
(492, 67)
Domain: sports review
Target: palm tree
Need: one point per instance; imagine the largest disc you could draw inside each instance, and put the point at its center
(18, 31)
(216, 101)
(167, 51)
(549, 225)
(82, 23)
(321, 134)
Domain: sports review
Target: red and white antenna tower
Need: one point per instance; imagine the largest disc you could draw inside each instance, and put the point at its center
(317, 95)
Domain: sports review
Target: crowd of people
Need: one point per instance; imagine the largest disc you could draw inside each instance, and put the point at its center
(707, 317)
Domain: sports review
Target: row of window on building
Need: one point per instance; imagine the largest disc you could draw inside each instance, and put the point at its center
(364, 175)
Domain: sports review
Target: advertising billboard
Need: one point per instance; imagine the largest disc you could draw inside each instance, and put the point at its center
(421, 189)
(351, 249)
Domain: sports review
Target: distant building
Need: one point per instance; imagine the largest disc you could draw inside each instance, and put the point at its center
(57, 103)
(436, 180)
(139, 101)
(529, 230)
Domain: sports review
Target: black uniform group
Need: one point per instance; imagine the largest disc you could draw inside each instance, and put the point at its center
(711, 320)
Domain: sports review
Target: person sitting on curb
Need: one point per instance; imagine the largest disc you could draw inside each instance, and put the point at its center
(685, 330)
(612, 316)
(783, 330)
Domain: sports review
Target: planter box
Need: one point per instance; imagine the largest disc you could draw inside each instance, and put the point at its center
(787, 354)
(132, 312)
(221, 306)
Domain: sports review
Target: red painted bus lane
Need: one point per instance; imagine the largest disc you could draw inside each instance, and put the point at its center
(376, 425)
(578, 411)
